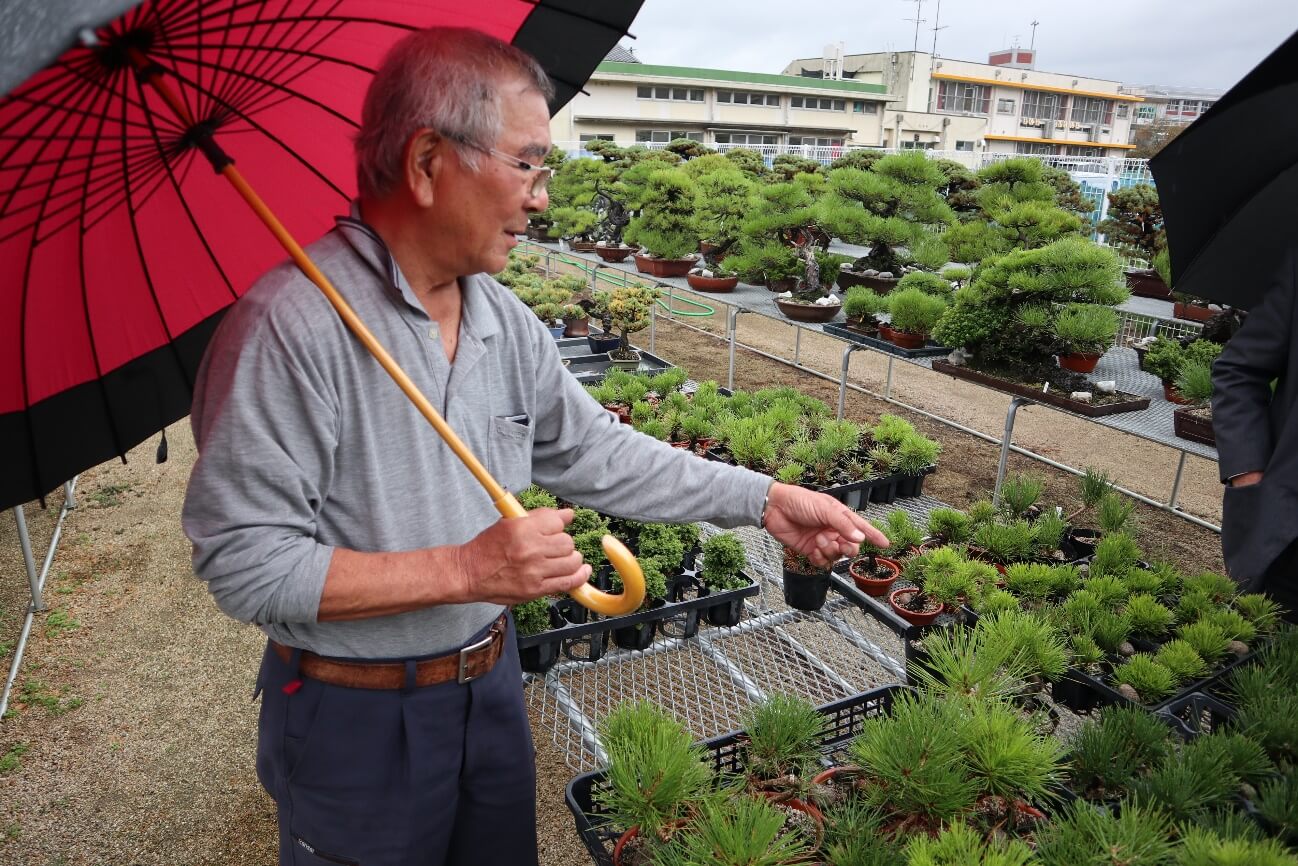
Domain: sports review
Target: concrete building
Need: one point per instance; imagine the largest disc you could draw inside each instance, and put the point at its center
(1002, 106)
(1175, 105)
(628, 102)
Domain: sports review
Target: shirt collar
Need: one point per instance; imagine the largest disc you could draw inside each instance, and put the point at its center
(478, 315)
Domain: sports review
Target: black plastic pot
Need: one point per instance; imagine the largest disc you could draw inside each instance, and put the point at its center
(911, 485)
(635, 637)
(727, 614)
(540, 658)
(602, 343)
(1079, 542)
(805, 591)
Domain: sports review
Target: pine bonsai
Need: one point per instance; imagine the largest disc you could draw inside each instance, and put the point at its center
(666, 226)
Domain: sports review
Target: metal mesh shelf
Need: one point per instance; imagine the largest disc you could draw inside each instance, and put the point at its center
(1155, 423)
(708, 681)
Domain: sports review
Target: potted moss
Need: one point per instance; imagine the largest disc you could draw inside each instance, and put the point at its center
(913, 313)
(723, 569)
(666, 226)
(1087, 331)
(805, 585)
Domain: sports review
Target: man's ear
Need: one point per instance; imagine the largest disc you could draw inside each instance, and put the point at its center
(424, 154)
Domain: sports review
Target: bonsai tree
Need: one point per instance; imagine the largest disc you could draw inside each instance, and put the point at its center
(974, 240)
(666, 225)
(627, 309)
(688, 148)
(724, 562)
(883, 208)
(573, 191)
(1135, 222)
(781, 216)
(1194, 382)
(750, 162)
(863, 305)
(789, 165)
(861, 158)
(959, 189)
(929, 284)
(725, 200)
(1021, 204)
(1068, 193)
(915, 311)
(1086, 328)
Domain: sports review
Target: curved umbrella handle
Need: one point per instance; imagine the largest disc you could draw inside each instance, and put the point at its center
(623, 562)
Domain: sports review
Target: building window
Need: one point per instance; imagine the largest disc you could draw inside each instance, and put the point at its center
(748, 139)
(1082, 150)
(963, 98)
(1004, 106)
(678, 94)
(1039, 105)
(1146, 112)
(1123, 109)
(1089, 109)
(1031, 148)
(812, 141)
(814, 103)
(964, 145)
(918, 145)
(743, 97)
(662, 136)
(586, 136)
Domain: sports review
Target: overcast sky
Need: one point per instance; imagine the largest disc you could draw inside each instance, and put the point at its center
(1190, 43)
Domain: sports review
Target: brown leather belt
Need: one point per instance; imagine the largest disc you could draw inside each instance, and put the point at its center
(463, 666)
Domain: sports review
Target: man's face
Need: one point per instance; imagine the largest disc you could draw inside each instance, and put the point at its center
(482, 210)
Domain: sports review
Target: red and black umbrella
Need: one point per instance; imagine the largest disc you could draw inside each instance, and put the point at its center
(120, 247)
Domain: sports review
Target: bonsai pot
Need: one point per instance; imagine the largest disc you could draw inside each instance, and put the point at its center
(539, 658)
(904, 339)
(538, 232)
(601, 344)
(869, 583)
(614, 254)
(1194, 423)
(898, 599)
(577, 327)
(806, 591)
(582, 246)
(635, 637)
(881, 285)
(627, 363)
(862, 325)
(807, 312)
(783, 284)
(1147, 284)
(1172, 395)
(655, 267)
(556, 331)
(1080, 362)
(700, 283)
(1192, 312)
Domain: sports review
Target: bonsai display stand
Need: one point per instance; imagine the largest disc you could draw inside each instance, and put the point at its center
(932, 350)
(1036, 395)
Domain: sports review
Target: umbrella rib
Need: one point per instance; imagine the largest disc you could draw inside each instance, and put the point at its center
(274, 64)
(65, 86)
(337, 19)
(161, 37)
(310, 55)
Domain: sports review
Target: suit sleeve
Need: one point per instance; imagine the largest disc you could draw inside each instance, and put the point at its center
(1242, 376)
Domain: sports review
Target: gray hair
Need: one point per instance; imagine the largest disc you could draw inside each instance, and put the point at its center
(443, 78)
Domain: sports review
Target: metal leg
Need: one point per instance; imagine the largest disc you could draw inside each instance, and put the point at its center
(732, 319)
(25, 542)
(1005, 445)
(842, 379)
(671, 301)
(70, 494)
(1176, 483)
(653, 325)
(887, 384)
(797, 346)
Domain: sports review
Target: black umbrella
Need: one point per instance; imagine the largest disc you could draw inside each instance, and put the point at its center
(1229, 186)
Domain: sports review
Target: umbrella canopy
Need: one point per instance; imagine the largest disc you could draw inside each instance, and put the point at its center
(119, 247)
(1228, 186)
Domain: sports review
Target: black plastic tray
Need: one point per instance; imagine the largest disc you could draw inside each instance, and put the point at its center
(1082, 692)
(930, 350)
(845, 719)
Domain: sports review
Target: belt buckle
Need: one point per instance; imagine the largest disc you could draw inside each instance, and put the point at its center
(462, 676)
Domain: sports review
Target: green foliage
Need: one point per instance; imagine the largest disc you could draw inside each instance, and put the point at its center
(1087, 327)
(961, 845)
(784, 734)
(1115, 554)
(1187, 787)
(1201, 847)
(974, 241)
(750, 162)
(969, 321)
(1135, 220)
(1047, 533)
(901, 531)
(534, 497)
(1030, 641)
(628, 309)
(1005, 542)
(1020, 492)
(966, 663)
(1007, 758)
(590, 544)
(1111, 753)
(1148, 617)
(916, 454)
(1133, 835)
(862, 301)
(724, 562)
(1182, 660)
(1209, 640)
(1259, 610)
(532, 617)
(724, 201)
(742, 831)
(949, 525)
(854, 837)
(1232, 623)
(915, 311)
(1114, 513)
(1277, 802)
(666, 225)
(926, 282)
(660, 541)
(655, 773)
(1194, 382)
(1218, 587)
(1151, 680)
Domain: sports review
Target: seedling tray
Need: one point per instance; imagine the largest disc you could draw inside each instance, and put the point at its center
(846, 718)
(1195, 714)
(1082, 692)
(1133, 403)
(931, 350)
(857, 494)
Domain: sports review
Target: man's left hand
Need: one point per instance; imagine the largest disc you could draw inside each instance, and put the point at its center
(817, 526)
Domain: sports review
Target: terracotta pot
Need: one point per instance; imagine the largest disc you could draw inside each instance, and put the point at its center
(614, 254)
(663, 267)
(1172, 395)
(700, 283)
(784, 284)
(1147, 284)
(582, 246)
(621, 844)
(808, 312)
(905, 339)
(881, 285)
(895, 598)
(1080, 362)
(1192, 312)
(874, 586)
(577, 327)
(833, 773)
(809, 809)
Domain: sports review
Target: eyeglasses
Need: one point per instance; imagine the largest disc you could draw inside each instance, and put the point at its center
(542, 173)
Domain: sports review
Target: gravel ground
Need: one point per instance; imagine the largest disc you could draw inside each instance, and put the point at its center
(131, 733)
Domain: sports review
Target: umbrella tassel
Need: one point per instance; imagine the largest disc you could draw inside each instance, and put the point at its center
(162, 447)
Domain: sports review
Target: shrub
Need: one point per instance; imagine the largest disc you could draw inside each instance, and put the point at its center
(532, 617)
(949, 525)
(724, 562)
(1208, 640)
(928, 283)
(1005, 542)
(891, 430)
(863, 302)
(784, 734)
(1086, 328)
(1150, 679)
(1020, 492)
(1163, 359)
(1114, 751)
(961, 844)
(666, 224)
(534, 497)
(1194, 381)
(914, 311)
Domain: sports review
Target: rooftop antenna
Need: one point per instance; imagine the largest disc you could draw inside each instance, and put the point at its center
(937, 16)
(919, 7)
(1034, 34)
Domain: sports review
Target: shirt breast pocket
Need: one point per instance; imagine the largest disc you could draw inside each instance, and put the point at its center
(509, 454)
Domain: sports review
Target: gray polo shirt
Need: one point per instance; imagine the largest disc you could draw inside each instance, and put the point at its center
(306, 444)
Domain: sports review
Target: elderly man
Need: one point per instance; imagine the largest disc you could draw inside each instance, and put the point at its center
(325, 510)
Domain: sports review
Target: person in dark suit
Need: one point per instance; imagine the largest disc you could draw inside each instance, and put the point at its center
(1257, 444)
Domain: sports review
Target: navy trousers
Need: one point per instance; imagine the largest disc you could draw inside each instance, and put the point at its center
(444, 774)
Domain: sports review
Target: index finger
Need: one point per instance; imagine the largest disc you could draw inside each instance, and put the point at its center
(855, 528)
